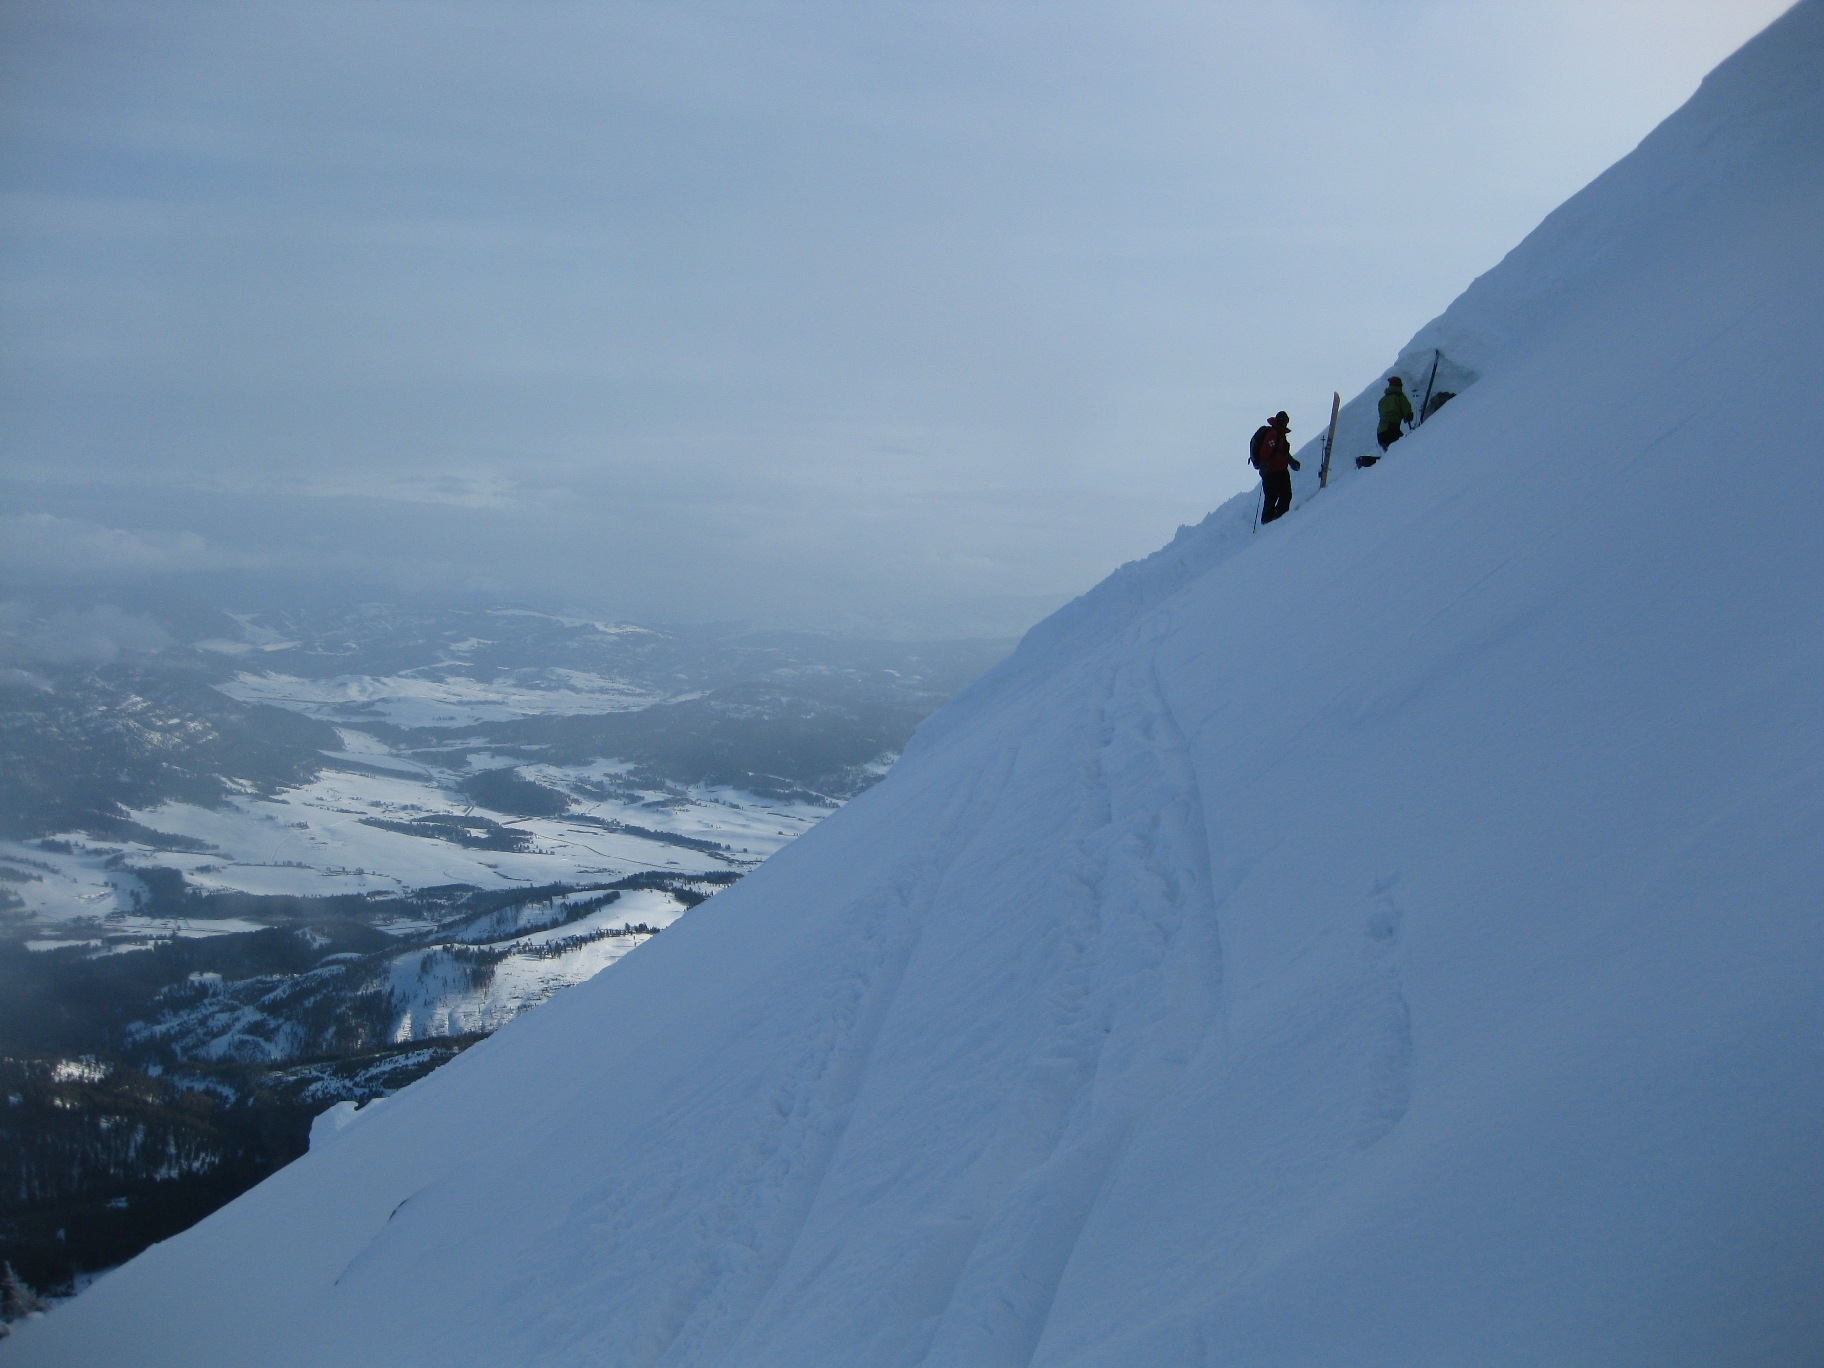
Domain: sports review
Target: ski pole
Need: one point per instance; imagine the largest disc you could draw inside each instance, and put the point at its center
(1437, 355)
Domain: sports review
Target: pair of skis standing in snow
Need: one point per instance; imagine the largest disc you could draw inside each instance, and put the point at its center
(1270, 451)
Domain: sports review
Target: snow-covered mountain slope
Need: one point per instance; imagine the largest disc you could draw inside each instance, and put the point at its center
(1390, 939)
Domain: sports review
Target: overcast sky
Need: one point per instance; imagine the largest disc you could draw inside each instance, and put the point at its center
(910, 314)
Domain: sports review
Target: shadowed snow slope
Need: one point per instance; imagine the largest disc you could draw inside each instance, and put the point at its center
(1394, 938)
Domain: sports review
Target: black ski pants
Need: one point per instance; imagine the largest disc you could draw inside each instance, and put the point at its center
(1388, 436)
(1276, 493)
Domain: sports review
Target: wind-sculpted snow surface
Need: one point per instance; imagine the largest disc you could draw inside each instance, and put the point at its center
(1390, 939)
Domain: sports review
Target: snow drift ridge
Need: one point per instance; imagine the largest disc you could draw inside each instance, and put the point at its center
(1761, 95)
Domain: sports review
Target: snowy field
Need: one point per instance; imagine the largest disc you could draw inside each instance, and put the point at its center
(319, 839)
(433, 1001)
(392, 827)
(450, 701)
(470, 980)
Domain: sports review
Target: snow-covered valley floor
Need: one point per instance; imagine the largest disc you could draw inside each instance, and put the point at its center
(384, 835)
(320, 839)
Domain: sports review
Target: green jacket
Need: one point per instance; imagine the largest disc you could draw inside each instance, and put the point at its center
(1396, 408)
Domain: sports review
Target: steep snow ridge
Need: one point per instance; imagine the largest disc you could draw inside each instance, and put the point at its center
(1765, 96)
(1749, 106)
(1389, 939)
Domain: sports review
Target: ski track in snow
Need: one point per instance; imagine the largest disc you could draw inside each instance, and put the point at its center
(768, 1202)
(1145, 932)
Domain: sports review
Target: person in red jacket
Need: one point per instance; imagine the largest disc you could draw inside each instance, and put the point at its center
(1271, 455)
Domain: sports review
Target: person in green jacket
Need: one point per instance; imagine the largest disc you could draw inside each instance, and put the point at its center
(1396, 411)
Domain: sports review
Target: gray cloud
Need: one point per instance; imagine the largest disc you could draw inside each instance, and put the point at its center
(41, 548)
(98, 635)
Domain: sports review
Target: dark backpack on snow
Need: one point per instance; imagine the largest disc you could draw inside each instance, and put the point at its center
(1254, 445)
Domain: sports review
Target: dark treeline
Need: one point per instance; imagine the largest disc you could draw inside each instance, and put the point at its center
(165, 1120)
